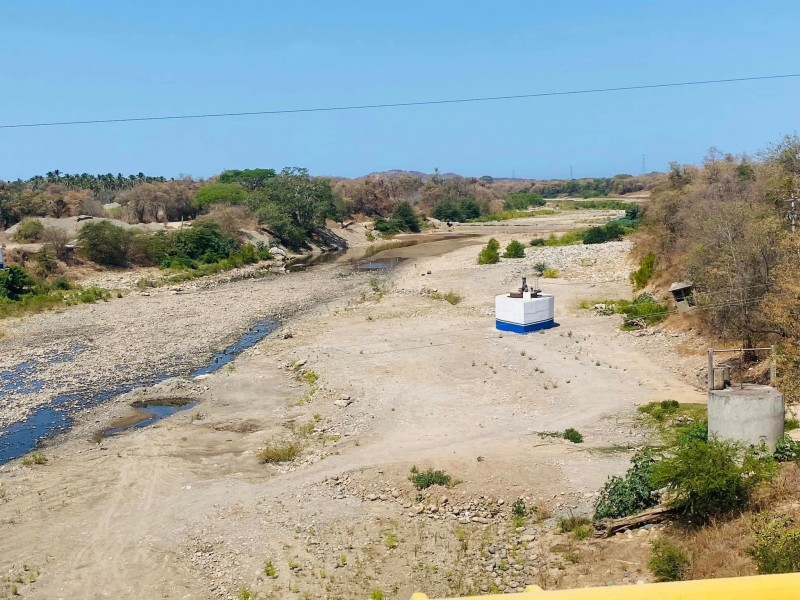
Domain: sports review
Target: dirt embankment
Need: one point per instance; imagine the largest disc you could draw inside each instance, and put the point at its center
(378, 377)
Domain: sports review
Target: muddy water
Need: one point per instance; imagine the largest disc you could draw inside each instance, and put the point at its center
(388, 254)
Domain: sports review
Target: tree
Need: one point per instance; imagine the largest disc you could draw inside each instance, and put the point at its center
(219, 193)
(14, 283)
(104, 243)
(514, 249)
(490, 254)
(294, 202)
(251, 179)
(404, 217)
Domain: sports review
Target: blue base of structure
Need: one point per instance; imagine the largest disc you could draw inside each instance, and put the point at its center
(517, 328)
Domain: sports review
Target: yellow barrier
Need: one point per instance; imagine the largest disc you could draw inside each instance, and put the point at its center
(761, 587)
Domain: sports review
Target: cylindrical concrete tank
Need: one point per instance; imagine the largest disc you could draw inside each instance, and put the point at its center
(748, 413)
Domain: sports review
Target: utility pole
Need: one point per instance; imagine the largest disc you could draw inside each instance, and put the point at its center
(643, 165)
(792, 215)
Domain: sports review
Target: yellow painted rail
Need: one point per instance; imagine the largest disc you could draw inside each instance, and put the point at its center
(760, 587)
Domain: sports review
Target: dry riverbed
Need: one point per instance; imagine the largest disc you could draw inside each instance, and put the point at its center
(369, 375)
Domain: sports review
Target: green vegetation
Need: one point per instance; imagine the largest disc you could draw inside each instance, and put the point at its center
(595, 205)
(219, 193)
(402, 219)
(641, 276)
(776, 543)
(550, 273)
(570, 238)
(572, 435)
(572, 522)
(787, 450)
(34, 458)
(377, 594)
(270, 570)
(507, 215)
(29, 230)
(609, 232)
(514, 250)
(460, 211)
(490, 254)
(14, 283)
(522, 201)
(390, 540)
(790, 424)
(425, 479)
(451, 297)
(630, 494)
(279, 452)
(668, 562)
(708, 479)
(245, 594)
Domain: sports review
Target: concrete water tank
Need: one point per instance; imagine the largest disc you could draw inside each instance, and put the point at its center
(530, 311)
(746, 413)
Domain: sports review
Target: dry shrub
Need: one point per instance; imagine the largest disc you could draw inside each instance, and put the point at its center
(719, 549)
(784, 489)
(231, 219)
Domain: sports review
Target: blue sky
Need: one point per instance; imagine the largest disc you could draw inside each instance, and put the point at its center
(98, 59)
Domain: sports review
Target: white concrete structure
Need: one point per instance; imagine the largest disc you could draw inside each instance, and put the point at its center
(531, 311)
(747, 413)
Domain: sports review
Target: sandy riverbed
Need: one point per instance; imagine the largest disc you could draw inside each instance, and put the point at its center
(393, 378)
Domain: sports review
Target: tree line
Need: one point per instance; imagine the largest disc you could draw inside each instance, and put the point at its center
(723, 226)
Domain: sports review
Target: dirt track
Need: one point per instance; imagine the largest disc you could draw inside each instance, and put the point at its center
(183, 509)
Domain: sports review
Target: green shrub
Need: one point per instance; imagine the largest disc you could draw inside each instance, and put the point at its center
(518, 508)
(490, 254)
(29, 230)
(514, 250)
(644, 273)
(538, 242)
(628, 495)
(660, 411)
(572, 435)
(582, 532)
(707, 479)
(776, 544)
(668, 562)
(693, 432)
(790, 424)
(605, 233)
(429, 477)
(404, 217)
(644, 307)
(522, 201)
(104, 243)
(14, 283)
(550, 273)
(786, 449)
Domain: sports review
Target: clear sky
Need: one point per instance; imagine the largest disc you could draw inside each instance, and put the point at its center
(99, 59)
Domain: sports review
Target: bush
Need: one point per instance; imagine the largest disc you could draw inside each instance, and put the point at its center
(538, 242)
(203, 241)
(550, 273)
(404, 217)
(571, 523)
(514, 250)
(29, 230)
(707, 479)
(279, 452)
(646, 308)
(490, 254)
(776, 545)
(693, 432)
(104, 243)
(605, 233)
(522, 201)
(628, 495)
(787, 450)
(660, 411)
(14, 283)
(573, 435)
(644, 273)
(429, 477)
(667, 561)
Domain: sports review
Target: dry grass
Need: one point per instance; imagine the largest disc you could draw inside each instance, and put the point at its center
(279, 452)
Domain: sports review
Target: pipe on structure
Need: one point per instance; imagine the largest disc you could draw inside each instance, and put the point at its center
(760, 587)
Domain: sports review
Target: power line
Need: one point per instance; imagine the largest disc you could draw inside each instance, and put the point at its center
(626, 88)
